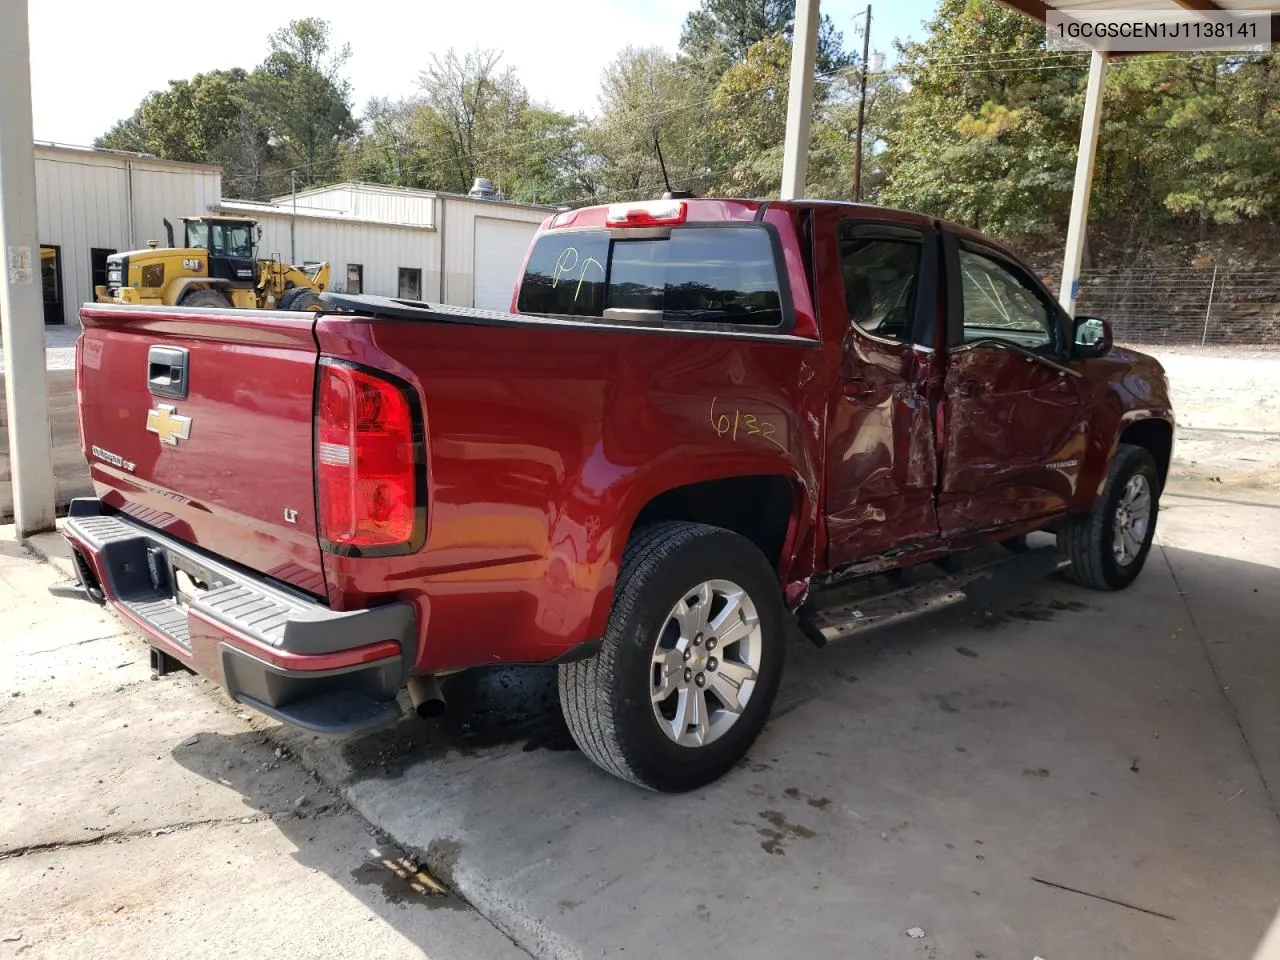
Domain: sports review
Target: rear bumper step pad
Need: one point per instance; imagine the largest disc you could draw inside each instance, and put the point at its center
(286, 654)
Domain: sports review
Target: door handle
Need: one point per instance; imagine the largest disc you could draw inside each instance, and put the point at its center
(167, 369)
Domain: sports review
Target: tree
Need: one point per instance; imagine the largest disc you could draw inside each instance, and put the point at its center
(1218, 129)
(644, 94)
(548, 162)
(400, 146)
(481, 117)
(188, 121)
(986, 132)
(751, 110)
(303, 100)
(720, 32)
(835, 136)
(471, 118)
(207, 119)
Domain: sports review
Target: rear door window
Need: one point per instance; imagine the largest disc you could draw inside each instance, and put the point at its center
(689, 275)
(881, 276)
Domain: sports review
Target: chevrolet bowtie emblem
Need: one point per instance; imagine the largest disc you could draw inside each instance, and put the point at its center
(165, 423)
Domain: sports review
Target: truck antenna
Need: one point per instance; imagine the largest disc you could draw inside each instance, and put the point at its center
(670, 194)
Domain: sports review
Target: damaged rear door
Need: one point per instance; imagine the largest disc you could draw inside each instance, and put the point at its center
(881, 471)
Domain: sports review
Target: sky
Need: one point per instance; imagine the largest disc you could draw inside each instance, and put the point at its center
(88, 71)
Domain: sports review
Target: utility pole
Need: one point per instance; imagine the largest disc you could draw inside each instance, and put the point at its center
(21, 294)
(862, 107)
(795, 146)
(293, 221)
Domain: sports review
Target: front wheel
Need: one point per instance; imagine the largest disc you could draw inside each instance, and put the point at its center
(690, 662)
(1108, 547)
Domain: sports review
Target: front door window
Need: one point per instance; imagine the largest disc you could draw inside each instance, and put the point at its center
(998, 305)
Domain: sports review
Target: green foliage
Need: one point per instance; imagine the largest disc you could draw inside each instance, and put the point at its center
(302, 99)
(291, 113)
(751, 108)
(646, 93)
(470, 118)
(984, 134)
(207, 119)
(978, 124)
(1227, 127)
(721, 32)
(987, 130)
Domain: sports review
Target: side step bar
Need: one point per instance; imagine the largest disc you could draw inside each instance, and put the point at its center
(824, 624)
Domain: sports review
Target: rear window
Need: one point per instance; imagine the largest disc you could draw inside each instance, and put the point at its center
(690, 275)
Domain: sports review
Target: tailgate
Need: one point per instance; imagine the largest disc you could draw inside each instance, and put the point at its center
(199, 424)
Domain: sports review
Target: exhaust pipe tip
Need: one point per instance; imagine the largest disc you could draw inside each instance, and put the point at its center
(428, 700)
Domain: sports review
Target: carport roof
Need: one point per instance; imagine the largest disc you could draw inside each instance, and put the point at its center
(1040, 10)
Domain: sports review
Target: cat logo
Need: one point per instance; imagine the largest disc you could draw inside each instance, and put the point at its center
(165, 423)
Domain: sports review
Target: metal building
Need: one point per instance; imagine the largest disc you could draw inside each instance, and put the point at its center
(391, 241)
(471, 252)
(92, 203)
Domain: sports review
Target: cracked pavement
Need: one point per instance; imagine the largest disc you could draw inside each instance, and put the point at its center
(143, 819)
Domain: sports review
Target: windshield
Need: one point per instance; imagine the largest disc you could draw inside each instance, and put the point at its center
(232, 240)
(692, 275)
(221, 239)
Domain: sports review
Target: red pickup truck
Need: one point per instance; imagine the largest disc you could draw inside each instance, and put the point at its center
(698, 415)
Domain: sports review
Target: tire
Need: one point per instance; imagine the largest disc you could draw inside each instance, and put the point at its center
(1090, 543)
(608, 700)
(204, 298)
(300, 298)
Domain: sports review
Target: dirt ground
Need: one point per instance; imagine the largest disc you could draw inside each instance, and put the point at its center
(1227, 403)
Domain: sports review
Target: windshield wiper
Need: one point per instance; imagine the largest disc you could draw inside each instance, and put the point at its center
(1023, 352)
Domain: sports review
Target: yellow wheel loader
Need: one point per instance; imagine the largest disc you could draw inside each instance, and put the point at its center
(217, 266)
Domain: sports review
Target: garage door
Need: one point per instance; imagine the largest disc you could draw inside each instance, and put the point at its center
(500, 248)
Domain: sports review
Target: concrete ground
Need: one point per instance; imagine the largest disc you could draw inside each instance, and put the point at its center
(146, 819)
(1067, 774)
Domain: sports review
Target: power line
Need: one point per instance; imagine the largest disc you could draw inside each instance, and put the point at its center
(1008, 63)
(819, 77)
(1043, 62)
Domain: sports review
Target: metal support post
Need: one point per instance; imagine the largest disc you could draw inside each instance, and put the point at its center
(1089, 124)
(21, 296)
(795, 147)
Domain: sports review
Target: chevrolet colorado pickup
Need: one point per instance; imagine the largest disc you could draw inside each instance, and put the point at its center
(697, 415)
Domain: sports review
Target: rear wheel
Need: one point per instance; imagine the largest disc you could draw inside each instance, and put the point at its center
(203, 298)
(1108, 547)
(690, 662)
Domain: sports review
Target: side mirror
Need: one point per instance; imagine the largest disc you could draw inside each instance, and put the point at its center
(1091, 337)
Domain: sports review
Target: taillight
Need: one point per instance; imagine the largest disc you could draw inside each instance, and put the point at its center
(369, 467)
